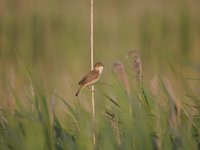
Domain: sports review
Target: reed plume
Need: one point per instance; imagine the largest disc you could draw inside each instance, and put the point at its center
(175, 105)
(174, 114)
(154, 86)
(120, 71)
(136, 64)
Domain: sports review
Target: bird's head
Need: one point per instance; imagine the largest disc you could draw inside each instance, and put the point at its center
(99, 67)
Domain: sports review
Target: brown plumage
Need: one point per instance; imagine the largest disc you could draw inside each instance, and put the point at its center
(92, 77)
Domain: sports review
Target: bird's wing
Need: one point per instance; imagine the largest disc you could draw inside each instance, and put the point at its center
(92, 75)
(82, 80)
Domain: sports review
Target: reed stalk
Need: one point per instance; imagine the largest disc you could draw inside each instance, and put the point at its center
(92, 64)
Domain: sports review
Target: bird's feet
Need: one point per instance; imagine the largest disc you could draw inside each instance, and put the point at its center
(90, 88)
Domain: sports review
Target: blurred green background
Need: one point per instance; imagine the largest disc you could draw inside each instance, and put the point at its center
(45, 44)
(52, 37)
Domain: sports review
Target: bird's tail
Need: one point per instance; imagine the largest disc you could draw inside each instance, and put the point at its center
(78, 91)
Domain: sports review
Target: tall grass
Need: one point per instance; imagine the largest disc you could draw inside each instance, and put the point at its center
(167, 122)
(51, 42)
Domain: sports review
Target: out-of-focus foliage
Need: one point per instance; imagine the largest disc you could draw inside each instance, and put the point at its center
(45, 50)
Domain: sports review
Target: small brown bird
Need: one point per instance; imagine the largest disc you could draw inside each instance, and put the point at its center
(91, 78)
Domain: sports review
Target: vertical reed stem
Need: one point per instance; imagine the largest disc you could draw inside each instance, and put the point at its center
(92, 63)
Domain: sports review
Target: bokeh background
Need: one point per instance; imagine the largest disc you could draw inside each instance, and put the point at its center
(52, 39)
(45, 51)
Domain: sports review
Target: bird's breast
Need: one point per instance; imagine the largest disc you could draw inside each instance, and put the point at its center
(100, 69)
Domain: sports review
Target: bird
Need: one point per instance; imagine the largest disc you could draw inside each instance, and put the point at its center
(91, 78)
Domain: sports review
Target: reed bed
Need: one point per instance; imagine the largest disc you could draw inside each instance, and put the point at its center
(167, 122)
(147, 100)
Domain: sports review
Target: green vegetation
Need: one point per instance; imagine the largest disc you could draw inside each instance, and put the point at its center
(44, 51)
